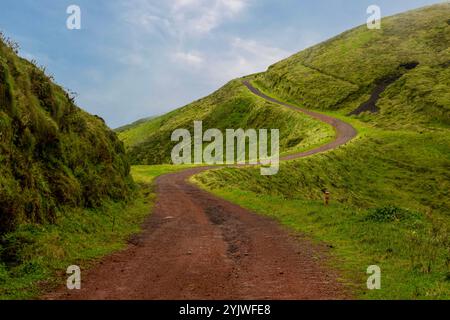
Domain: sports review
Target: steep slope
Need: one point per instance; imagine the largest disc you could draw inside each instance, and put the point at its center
(232, 106)
(52, 153)
(341, 73)
(404, 66)
(390, 186)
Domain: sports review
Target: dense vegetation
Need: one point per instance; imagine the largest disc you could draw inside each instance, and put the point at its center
(80, 236)
(340, 74)
(390, 187)
(63, 171)
(52, 154)
(233, 106)
(66, 192)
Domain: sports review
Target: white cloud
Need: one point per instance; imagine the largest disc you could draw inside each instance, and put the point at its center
(181, 17)
(243, 57)
(146, 16)
(180, 4)
(189, 58)
(172, 52)
(202, 16)
(264, 54)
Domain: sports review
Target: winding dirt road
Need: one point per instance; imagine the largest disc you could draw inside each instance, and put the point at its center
(198, 246)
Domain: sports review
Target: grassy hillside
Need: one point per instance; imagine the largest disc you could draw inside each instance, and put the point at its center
(52, 153)
(390, 206)
(63, 176)
(232, 106)
(340, 74)
(390, 186)
(376, 170)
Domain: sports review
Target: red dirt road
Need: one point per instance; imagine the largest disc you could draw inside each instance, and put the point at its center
(198, 246)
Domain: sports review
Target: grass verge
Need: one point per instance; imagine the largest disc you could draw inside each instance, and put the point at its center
(35, 257)
(389, 206)
(410, 249)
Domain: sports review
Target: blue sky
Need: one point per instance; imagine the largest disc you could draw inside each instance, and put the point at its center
(137, 58)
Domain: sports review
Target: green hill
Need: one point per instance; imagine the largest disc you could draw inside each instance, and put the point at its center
(64, 181)
(390, 186)
(341, 73)
(337, 75)
(52, 154)
(232, 106)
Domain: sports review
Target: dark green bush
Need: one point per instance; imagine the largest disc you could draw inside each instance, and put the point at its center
(388, 214)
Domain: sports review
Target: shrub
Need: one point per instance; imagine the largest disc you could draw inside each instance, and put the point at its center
(389, 213)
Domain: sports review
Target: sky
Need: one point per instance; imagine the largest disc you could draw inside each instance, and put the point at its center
(137, 58)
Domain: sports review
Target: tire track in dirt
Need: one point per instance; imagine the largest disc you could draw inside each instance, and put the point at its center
(198, 246)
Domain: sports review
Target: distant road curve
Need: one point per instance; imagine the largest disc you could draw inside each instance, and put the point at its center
(344, 131)
(198, 246)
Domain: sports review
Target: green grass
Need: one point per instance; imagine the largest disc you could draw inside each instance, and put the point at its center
(412, 252)
(232, 106)
(380, 169)
(339, 74)
(146, 174)
(39, 254)
(52, 154)
(389, 186)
